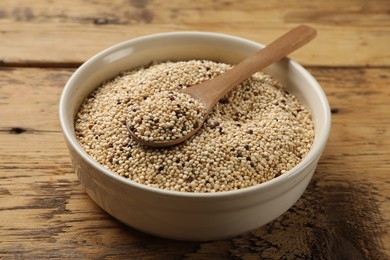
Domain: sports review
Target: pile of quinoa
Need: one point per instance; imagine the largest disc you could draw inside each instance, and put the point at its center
(255, 133)
(164, 116)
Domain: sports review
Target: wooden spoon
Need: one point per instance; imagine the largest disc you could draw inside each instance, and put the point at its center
(211, 91)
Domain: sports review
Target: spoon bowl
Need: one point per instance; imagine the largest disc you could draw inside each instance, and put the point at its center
(161, 144)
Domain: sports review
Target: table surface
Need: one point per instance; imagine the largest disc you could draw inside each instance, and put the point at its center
(44, 212)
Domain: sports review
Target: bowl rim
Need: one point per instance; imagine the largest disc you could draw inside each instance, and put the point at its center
(313, 154)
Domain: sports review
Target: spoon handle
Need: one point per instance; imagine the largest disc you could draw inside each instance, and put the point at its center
(221, 85)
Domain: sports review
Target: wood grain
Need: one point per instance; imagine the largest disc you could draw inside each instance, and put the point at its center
(44, 212)
(344, 214)
(50, 33)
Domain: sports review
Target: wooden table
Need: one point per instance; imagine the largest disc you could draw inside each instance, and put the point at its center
(44, 212)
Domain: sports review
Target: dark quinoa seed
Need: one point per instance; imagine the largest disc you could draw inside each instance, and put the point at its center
(224, 101)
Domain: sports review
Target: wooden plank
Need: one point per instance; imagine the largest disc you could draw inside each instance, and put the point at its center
(351, 33)
(344, 213)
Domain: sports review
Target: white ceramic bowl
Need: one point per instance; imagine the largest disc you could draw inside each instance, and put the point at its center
(180, 215)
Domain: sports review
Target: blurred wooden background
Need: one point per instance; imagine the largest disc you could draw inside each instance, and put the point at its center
(44, 213)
